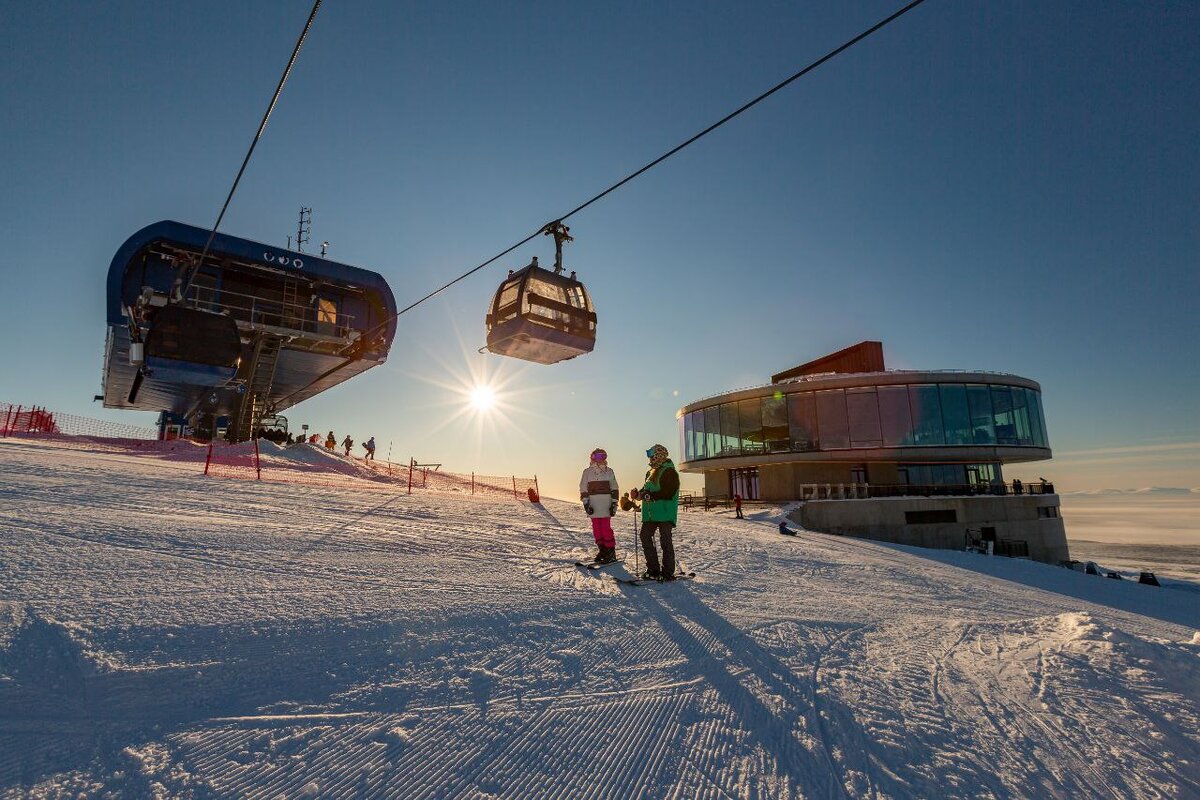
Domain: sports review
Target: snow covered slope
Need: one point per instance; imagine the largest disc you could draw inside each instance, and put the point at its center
(166, 634)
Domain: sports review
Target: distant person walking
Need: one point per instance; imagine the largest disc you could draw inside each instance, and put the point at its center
(598, 491)
(331, 441)
(347, 443)
(737, 506)
(660, 513)
(370, 445)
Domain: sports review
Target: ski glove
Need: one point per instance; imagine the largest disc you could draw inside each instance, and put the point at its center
(612, 509)
(587, 506)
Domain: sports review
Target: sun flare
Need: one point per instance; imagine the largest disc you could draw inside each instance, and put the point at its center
(483, 398)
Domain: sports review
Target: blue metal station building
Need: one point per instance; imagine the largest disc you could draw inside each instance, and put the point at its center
(249, 332)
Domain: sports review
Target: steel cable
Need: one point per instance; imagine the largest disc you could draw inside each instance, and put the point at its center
(364, 340)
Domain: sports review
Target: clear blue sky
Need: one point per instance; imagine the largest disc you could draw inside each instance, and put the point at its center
(1008, 186)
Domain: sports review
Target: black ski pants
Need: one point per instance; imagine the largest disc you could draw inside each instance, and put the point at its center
(668, 547)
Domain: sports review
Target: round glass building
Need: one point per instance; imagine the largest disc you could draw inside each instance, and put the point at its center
(878, 427)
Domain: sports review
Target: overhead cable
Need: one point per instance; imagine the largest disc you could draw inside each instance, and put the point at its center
(245, 161)
(366, 337)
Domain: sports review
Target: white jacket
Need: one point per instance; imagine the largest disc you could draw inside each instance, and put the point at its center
(598, 485)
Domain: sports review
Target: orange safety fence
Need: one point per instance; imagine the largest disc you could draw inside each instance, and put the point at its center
(315, 465)
(20, 420)
(311, 465)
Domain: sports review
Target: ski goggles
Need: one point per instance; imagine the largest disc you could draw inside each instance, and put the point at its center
(599, 455)
(650, 453)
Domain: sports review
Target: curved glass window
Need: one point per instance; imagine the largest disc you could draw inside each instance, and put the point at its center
(1036, 419)
(1021, 417)
(775, 424)
(688, 453)
(895, 421)
(862, 407)
(712, 431)
(802, 421)
(832, 420)
(926, 414)
(912, 415)
(956, 418)
(730, 442)
(750, 422)
(979, 401)
(698, 434)
(1002, 414)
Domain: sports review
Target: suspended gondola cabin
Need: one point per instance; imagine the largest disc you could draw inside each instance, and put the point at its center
(539, 316)
(247, 333)
(542, 316)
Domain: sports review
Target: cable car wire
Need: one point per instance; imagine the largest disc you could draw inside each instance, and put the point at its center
(366, 337)
(245, 161)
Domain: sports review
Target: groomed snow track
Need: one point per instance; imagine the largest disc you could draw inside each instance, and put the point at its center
(165, 634)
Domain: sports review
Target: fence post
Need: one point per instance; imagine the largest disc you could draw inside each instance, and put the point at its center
(7, 415)
(257, 465)
(208, 459)
(410, 466)
(537, 489)
(514, 477)
(472, 482)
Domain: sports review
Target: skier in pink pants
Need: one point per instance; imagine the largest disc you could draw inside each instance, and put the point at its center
(598, 491)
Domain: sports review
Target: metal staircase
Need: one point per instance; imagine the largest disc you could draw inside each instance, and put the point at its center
(258, 387)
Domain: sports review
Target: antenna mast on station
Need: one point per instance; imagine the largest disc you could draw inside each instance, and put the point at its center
(303, 228)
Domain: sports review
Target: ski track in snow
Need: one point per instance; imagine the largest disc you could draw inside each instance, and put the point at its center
(165, 634)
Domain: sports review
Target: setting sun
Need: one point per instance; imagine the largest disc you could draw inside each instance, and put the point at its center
(483, 398)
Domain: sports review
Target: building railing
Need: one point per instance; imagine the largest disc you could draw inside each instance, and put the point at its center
(830, 375)
(997, 489)
(274, 313)
(867, 491)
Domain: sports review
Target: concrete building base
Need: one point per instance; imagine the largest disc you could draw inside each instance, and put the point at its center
(892, 519)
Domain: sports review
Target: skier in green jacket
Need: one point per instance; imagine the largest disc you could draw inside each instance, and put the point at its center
(660, 513)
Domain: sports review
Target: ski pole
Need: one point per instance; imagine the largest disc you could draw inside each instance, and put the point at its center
(637, 572)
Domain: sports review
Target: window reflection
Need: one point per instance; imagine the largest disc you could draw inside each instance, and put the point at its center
(832, 420)
(1041, 418)
(698, 434)
(750, 422)
(1002, 413)
(688, 450)
(863, 411)
(802, 420)
(712, 431)
(887, 416)
(979, 401)
(1021, 417)
(926, 414)
(894, 418)
(955, 416)
(730, 443)
(775, 424)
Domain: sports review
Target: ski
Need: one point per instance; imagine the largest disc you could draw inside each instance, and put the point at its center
(594, 565)
(682, 576)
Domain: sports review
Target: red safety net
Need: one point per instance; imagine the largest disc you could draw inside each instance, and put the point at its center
(21, 420)
(306, 464)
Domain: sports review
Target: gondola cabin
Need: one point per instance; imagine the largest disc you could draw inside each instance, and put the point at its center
(247, 333)
(540, 316)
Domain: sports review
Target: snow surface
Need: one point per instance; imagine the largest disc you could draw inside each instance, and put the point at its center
(164, 634)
